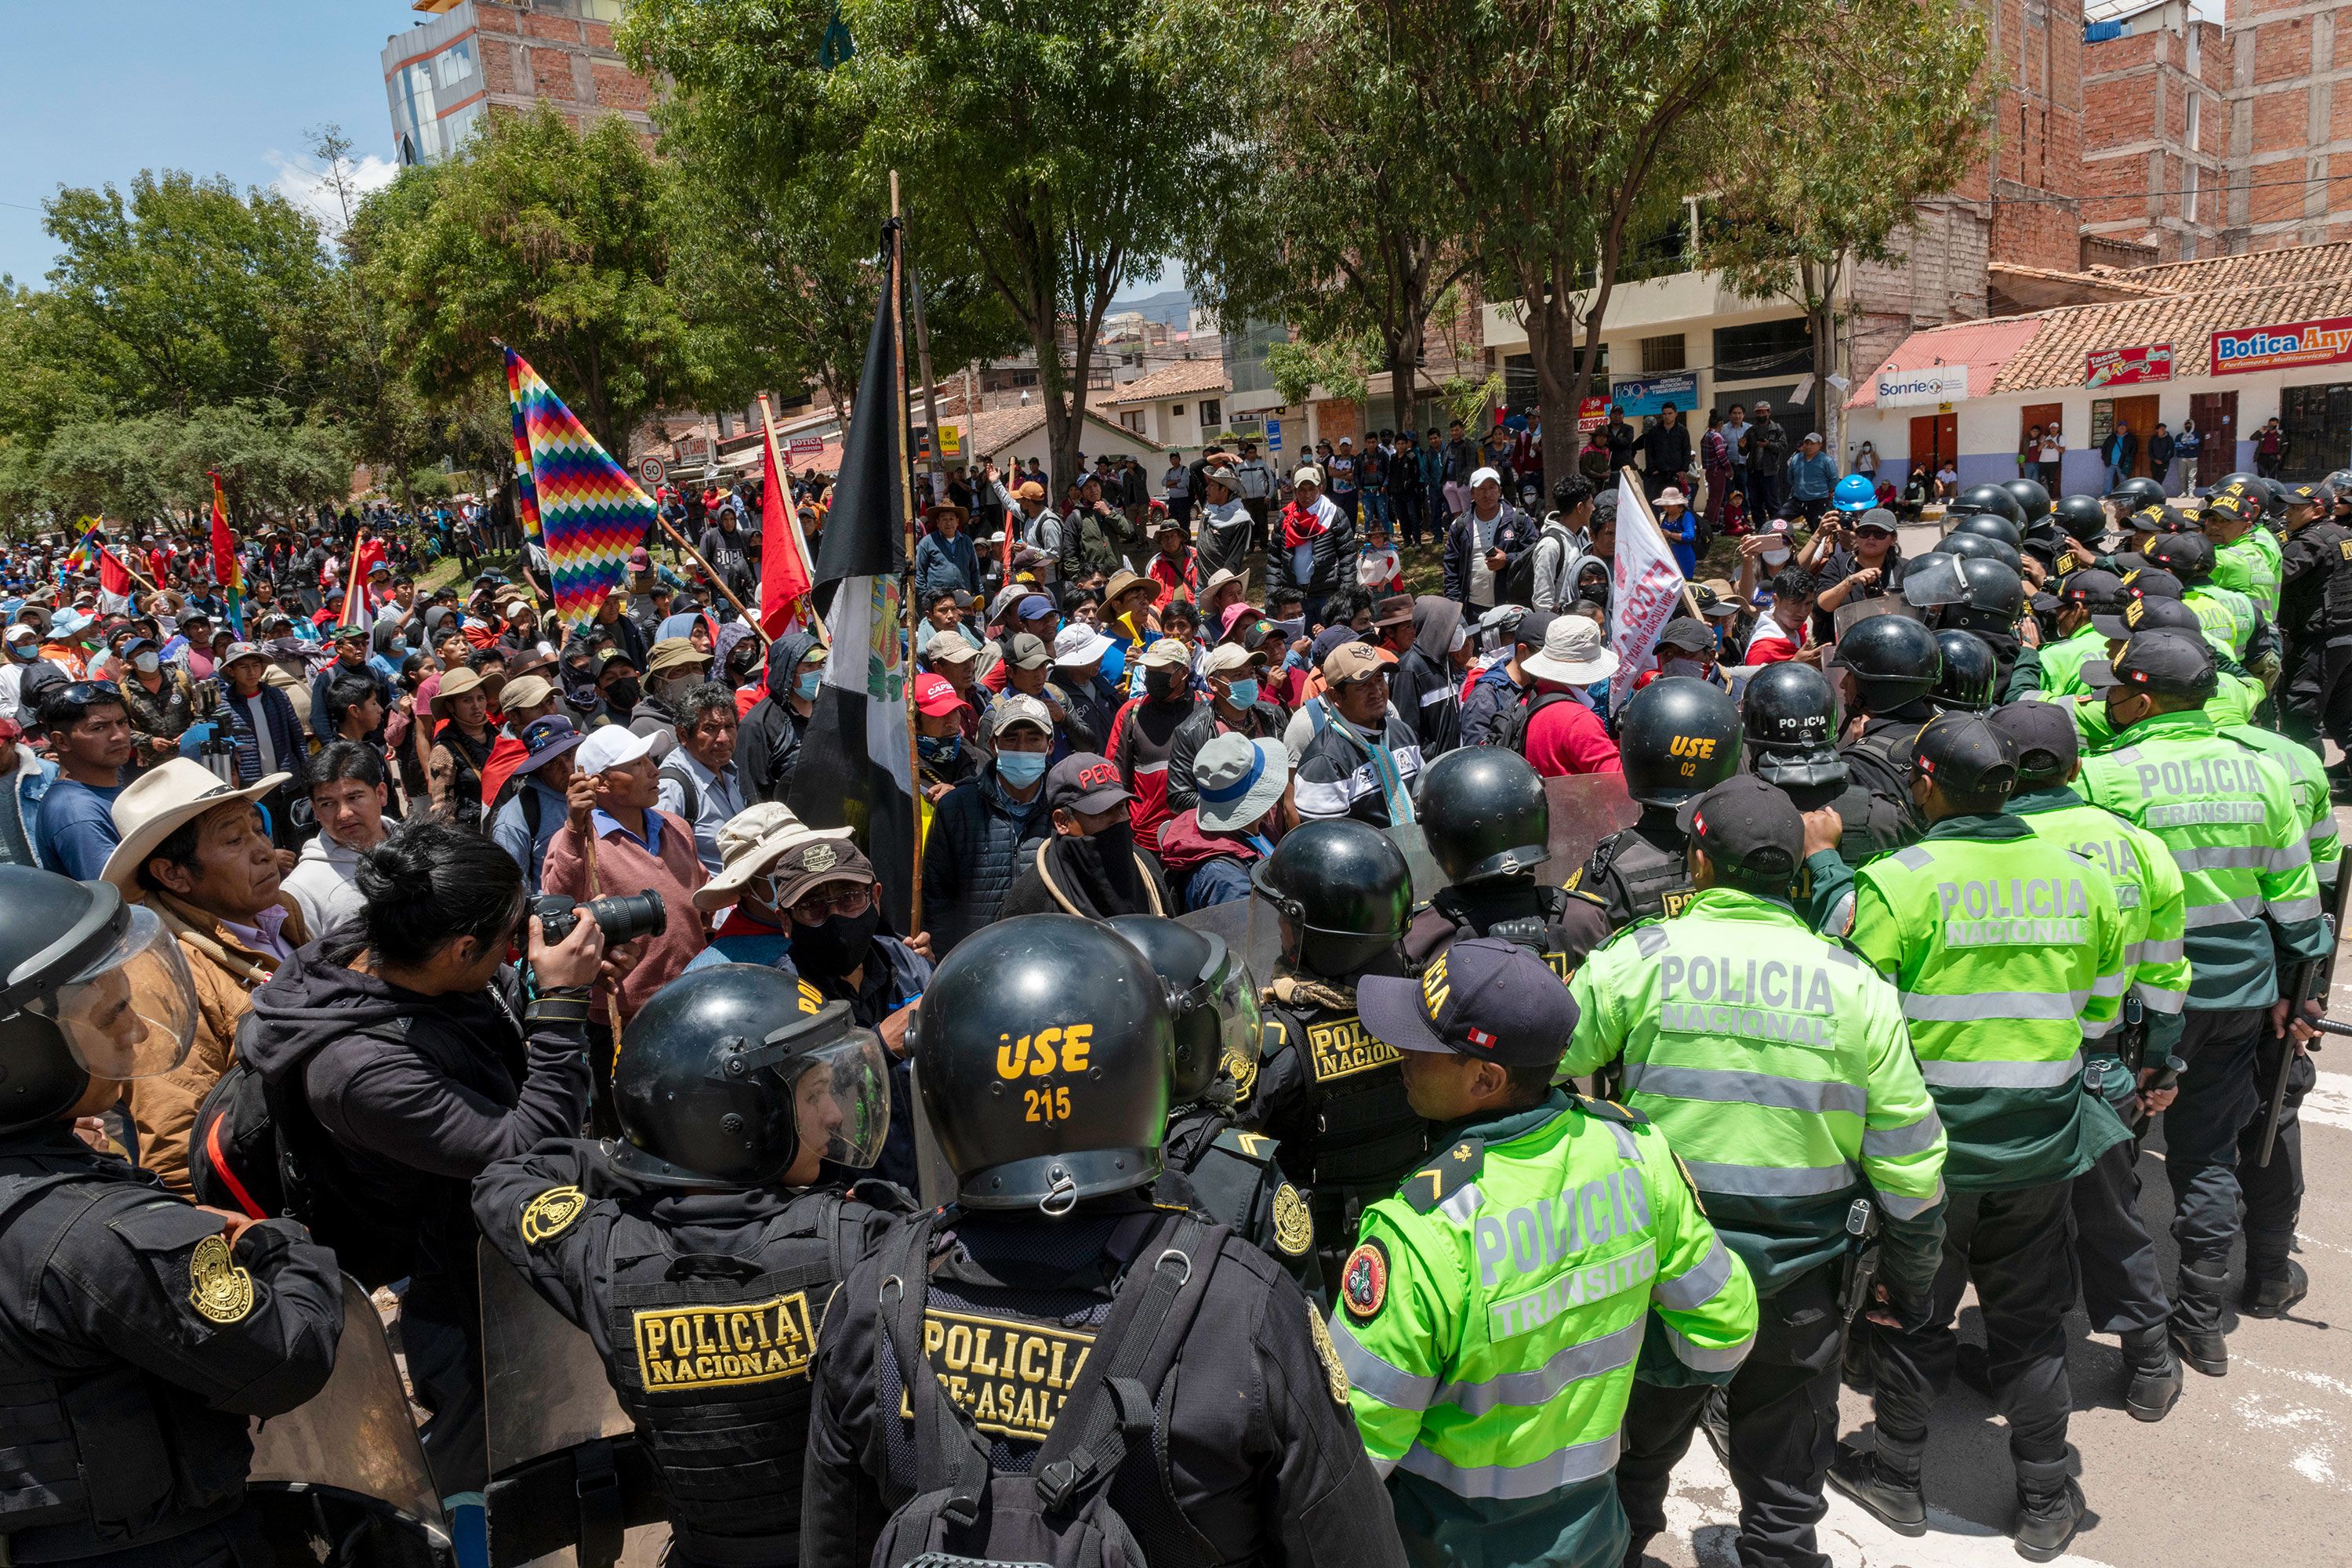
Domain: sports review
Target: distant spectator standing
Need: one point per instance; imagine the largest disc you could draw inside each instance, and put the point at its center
(1714, 462)
(1813, 475)
(90, 730)
(1766, 447)
(2120, 452)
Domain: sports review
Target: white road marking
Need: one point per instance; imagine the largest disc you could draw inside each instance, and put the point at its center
(2329, 1104)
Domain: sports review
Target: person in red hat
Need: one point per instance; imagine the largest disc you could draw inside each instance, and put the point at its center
(940, 714)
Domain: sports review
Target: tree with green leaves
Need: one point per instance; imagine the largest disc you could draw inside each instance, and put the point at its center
(151, 465)
(1878, 109)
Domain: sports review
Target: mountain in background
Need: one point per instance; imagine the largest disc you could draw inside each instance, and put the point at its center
(1172, 307)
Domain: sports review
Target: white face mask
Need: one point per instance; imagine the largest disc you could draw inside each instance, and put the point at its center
(1775, 557)
(146, 664)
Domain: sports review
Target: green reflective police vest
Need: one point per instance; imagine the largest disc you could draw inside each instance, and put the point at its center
(2063, 662)
(2254, 564)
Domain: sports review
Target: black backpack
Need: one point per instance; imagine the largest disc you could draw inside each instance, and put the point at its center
(1511, 730)
(1059, 1515)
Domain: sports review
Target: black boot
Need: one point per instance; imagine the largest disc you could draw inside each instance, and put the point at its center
(2269, 1295)
(2155, 1374)
(1636, 1550)
(2049, 1511)
(1889, 1490)
(2197, 1320)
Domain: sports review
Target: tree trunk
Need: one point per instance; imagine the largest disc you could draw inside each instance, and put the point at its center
(1403, 367)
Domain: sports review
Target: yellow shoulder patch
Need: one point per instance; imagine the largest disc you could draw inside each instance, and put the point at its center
(551, 1214)
(217, 1288)
(1329, 1353)
(1294, 1228)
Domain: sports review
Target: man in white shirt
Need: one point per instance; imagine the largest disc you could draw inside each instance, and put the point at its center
(347, 798)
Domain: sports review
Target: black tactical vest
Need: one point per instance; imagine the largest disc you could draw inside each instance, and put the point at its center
(710, 1359)
(103, 1459)
(1636, 878)
(1240, 1185)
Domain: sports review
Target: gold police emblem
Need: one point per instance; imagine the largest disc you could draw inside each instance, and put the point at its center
(1329, 1353)
(1242, 1070)
(1294, 1228)
(551, 1213)
(216, 1287)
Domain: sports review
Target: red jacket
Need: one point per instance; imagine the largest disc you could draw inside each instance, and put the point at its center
(1140, 748)
(1569, 738)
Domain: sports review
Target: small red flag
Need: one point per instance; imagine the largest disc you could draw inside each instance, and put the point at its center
(784, 577)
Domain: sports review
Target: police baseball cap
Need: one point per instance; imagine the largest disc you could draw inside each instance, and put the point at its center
(2236, 502)
(2148, 614)
(2159, 519)
(1747, 827)
(2306, 495)
(2090, 587)
(1484, 998)
(1085, 782)
(2185, 555)
(1963, 751)
(2163, 661)
(2047, 742)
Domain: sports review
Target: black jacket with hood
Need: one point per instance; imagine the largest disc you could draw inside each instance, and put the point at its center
(768, 746)
(419, 1095)
(1425, 689)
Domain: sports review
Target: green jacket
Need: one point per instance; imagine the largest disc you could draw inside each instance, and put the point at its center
(2063, 662)
(2308, 776)
(1780, 1066)
(2150, 896)
(2008, 953)
(2254, 564)
(2228, 616)
(2228, 813)
(1491, 1317)
(2233, 701)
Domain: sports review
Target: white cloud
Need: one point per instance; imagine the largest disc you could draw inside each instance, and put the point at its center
(307, 183)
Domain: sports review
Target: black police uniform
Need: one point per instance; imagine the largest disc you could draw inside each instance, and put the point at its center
(1878, 759)
(1015, 1311)
(1239, 1182)
(703, 1307)
(135, 1342)
(2315, 619)
(1639, 872)
(1561, 925)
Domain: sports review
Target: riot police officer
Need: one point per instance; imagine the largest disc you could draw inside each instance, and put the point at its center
(1788, 723)
(1970, 672)
(1677, 738)
(699, 1249)
(1994, 598)
(1161, 1382)
(1894, 662)
(1328, 1093)
(2315, 619)
(139, 1333)
(1488, 826)
(1212, 1073)
(1991, 500)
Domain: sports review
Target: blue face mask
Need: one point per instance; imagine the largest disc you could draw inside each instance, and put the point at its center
(939, 748)
(809, 681)
(1021, 769)
(1243, 694)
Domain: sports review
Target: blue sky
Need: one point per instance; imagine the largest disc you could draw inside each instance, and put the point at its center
(102, 89)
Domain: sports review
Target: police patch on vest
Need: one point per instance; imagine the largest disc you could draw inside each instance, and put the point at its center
(1294, 1228)
(1329, 1353)
(713, 1347)
(1011, 1377)
(1674, 903)
(551, 1213)
(1242, 1070)
(1341, 1048)
(1364, 1281)
(217, 1288)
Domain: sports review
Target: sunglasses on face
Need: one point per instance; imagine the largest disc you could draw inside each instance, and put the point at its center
(851, 900)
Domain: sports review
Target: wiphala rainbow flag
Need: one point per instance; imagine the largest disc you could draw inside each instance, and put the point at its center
(590, 513)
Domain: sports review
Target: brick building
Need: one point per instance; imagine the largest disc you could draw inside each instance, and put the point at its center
(471, 57)
(2155, 133)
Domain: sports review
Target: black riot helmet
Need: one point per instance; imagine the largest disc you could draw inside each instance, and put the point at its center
(2338, 485)
(1211, 1002)
(2235, 476)
(1980, 546)
(1042, 1050)
(1991, 525)
(1344, 892)
(2081, 517)
(2030, 498)
(1678, 737)
(729, 1072)
(1789, 721)
(2134, 493)
(1484, 812)
(1996, 597)
(2275, 498)
(91, 987)
(1968, 672)
(1990, 498)
(1894, 660)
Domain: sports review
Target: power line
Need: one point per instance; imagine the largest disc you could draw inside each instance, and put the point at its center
(2126, 195)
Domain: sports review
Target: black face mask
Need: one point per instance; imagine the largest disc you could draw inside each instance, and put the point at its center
(623, 694)
(1162, 685)
(1106, 859)
(837, 946)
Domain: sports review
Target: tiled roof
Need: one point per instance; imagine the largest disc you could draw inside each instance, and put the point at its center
(2109, 283)
(2261, 268)
(995, 429)
(1186, 377)
(2058, 353)
(1982, 346)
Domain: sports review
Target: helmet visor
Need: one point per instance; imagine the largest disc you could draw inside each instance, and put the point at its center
(1233, 994)
(131, 1013)
(841, 1097)
(1932, 580)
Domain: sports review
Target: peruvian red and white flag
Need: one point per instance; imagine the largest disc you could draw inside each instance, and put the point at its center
(1648, 588)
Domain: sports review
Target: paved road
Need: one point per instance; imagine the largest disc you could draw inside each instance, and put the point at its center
(2248, 1470)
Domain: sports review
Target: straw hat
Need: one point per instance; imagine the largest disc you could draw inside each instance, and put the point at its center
(457, 683)
(750, 841)
(152, 807)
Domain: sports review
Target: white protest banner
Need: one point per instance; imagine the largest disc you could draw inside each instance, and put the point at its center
(1649, 588)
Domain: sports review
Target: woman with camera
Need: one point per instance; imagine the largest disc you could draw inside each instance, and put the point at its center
(402, 1059)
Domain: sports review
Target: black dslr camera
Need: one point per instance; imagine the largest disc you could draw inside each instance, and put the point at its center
(624, 917)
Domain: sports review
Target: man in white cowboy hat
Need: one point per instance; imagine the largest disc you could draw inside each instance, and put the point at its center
(194, 850)
(755, 928)
(1563, 732)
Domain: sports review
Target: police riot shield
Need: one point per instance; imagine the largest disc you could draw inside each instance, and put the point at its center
(1249, 928)
(568, 1481)
(1934, 579)
(1427, 879)
(1853, 611)
(1585, 809)
(343, 1475)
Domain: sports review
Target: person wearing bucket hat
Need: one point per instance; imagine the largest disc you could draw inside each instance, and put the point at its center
(1560, 731)
(193, 849)
(1479, 1037)
(755, 927)
(534, 807)
(1242, 805)
(462, 738)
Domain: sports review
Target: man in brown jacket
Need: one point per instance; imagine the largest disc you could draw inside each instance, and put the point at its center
(194, 850)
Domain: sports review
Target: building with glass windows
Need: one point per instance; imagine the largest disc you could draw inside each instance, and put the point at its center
(466, 59)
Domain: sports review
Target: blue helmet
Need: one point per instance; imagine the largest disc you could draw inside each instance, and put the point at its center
(1855, 493)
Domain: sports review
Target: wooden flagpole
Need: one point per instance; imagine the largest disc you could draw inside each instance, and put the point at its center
(716, 579)
(906, 586)
(1641, 500)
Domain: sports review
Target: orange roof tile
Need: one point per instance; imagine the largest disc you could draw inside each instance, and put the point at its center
(1982, 346)
(1184, 378)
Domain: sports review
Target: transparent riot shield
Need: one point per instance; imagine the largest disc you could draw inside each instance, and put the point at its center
(1426, 878)
(1585, 809)
(1855, 611)
(1932, 580)
(1250, 927)
(568, 1481)
(343, 1475)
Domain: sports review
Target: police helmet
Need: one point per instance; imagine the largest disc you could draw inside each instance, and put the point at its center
(2339, 484)
(1789, 719)
(1855, 493)
(1894, 659)
(1042, 1048)
(2081, 517)
(1996, 597)
(93, 988)
(1991, 525)
(1211, 1000)
(1344, 892)
(730, 1072)
(1977, 547)
(1970, 669)
(1990, 498)
(2235, 476)
(1484, 812)
(2275, 498)
(1678, 737)
(2134, 493)
(2030, 498)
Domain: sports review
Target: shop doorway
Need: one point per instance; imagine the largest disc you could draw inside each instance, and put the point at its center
(2043, 418)
(2216, 414)
(2318, 425)
(1935, 441)
(2139, 414)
